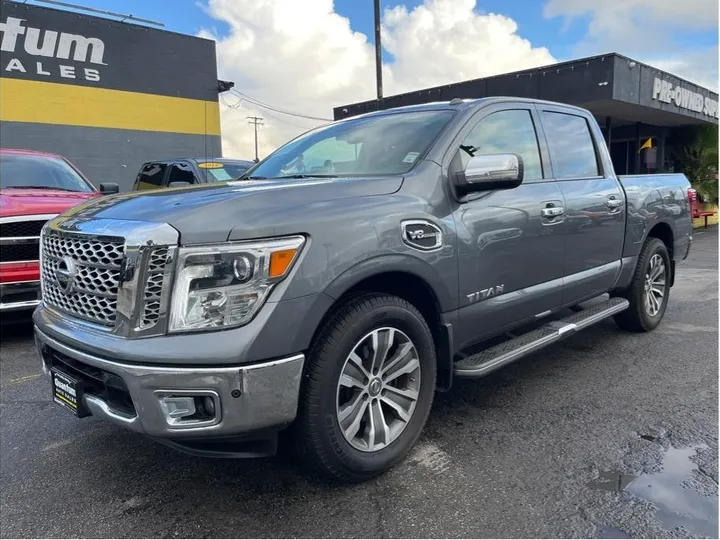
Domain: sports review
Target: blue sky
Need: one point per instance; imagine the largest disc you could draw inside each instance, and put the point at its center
(187, 16)
(562, 36)
(302, 59)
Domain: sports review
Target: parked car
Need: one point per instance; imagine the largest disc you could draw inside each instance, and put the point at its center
(334, 293)
(34, 188)
(188, 171)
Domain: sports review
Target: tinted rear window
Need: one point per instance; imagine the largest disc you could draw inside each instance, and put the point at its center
(571, 145)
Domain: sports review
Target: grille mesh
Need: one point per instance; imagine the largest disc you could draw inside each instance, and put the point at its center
(96, 281)
(21, 228)
(153, 286)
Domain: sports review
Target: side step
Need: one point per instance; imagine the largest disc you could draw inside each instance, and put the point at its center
(484, 362)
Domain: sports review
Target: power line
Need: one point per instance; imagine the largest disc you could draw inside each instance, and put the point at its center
(255, 121)
(281, 111)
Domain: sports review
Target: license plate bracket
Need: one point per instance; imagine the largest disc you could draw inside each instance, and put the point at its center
(67, 391)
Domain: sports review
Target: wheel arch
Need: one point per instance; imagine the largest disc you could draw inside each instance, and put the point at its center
(409, 282)
(664, 232)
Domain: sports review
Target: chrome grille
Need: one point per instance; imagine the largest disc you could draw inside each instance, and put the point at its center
(96, 280)
(152, 292)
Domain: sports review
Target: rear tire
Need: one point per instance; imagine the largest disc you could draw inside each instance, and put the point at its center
(357, 417)
(649, 290)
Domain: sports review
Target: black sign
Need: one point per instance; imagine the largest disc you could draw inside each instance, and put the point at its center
(44, 44)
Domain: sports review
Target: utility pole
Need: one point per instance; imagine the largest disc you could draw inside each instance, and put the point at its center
(378, 52)
(255, 121)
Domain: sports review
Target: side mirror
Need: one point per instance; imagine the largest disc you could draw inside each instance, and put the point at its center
(179, 184)
(490, 172)
(108, 188)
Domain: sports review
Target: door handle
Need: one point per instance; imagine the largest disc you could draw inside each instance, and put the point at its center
(612, 202)
(552, 211)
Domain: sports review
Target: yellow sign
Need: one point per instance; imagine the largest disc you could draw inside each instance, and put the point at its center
(210, 165)
(646, 144)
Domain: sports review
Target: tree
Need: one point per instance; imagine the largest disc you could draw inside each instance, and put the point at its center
(698, 157)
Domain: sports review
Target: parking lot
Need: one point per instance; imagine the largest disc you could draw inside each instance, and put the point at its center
(561, 444)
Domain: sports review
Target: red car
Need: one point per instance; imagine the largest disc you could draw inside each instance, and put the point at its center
(34, 187)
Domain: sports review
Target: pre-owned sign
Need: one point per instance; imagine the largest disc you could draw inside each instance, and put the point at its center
(49, 46)
(684, 98)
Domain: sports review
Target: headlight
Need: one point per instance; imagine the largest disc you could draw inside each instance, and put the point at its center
(224, 286)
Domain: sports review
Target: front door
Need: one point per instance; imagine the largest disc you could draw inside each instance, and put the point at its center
(594, 204)
(511, 242)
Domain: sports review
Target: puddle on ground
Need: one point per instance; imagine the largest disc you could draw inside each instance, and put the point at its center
(611, 532)
(677, 506)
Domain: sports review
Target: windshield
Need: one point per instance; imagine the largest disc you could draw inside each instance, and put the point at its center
(35, 172)
(220, 172)
(376, 145)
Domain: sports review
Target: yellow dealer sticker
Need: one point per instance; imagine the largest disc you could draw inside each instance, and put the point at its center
(210, 165)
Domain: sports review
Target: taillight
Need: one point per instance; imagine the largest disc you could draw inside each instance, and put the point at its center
(692, 194)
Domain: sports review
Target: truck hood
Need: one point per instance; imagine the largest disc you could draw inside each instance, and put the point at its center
(210, 212)
(25, 202)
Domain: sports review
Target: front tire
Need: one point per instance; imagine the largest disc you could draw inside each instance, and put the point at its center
(649, 290)
(368, 388)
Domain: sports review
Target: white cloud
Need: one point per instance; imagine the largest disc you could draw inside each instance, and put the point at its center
(304, 57)
(647, 31)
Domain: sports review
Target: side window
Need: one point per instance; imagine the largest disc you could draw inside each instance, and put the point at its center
(571, 145)
(505, 132)
(180, 172)
(151, 176)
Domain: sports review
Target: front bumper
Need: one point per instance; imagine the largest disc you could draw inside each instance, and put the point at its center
(249, 398)
(19, 296)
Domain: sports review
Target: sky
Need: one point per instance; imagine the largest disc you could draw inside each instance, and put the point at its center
(306, 56)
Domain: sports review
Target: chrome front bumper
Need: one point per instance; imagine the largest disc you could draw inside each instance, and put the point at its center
(248, 398)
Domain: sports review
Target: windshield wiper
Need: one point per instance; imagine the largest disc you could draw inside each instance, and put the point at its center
(244, 177)
(309, 176)
(41, 187)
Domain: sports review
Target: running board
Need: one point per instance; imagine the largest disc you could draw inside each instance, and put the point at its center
(484, 362)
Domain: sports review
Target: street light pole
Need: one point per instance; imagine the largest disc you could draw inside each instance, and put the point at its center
(378, 52)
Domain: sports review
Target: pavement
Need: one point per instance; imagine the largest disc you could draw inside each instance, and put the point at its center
(607, 435)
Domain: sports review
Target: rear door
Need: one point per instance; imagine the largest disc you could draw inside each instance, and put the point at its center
(594, 202)
(511, 248)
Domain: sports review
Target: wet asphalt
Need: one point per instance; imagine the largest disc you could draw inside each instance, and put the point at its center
(607, 435)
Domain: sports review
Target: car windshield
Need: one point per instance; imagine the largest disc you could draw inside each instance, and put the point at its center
(220, 172)
(23, 171)
(374, 145)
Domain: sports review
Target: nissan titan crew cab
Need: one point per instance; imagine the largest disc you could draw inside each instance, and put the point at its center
(327, 295)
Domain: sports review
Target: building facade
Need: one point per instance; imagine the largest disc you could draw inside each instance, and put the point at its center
(641, 109)
(107, 95)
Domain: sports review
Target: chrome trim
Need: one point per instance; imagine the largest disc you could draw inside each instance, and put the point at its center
(17, 306)
(140, 238)
(425, 223)
(490, 167)
(554, 211)
(31, 217)
(9, 240)
(250, 397)
(18, 262)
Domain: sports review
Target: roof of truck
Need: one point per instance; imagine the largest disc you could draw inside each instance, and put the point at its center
(461, 104)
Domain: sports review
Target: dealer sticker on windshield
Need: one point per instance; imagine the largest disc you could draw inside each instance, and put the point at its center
(411, 157)
(210, 165)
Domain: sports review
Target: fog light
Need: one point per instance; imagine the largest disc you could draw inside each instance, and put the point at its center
(177, 408)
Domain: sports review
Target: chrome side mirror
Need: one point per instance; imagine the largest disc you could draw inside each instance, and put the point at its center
(490, 172)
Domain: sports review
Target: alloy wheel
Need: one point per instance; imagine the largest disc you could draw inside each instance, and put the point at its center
(378, 389)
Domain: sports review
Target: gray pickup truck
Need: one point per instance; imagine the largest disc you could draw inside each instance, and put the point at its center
(324, 298)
